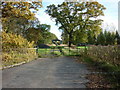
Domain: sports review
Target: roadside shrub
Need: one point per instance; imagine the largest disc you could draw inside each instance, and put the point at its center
(105, 58)
(10, 41)
(16, 49)
(108, 54)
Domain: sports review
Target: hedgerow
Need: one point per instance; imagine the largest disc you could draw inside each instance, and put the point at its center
(105, 58)
(16, 49)
(108, 54)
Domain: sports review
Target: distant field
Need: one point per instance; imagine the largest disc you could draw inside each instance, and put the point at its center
(82, 46)
(45, 52)
(65, 50)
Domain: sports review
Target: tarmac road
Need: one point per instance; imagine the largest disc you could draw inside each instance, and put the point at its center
(60, 72)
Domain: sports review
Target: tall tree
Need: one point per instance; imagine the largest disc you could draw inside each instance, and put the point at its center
(79, 37)
(113, 35)
(65, 37)
(44, 29)
(17, 15)
(91, 38)
(109, 38)
(117, 37)
(72, 15)
(33, 34)
(106, 36)
(101, 40)
(40, 34)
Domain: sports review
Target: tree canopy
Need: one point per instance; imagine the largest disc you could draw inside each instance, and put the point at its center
(76, 15)
(19, 18)
(19, 9)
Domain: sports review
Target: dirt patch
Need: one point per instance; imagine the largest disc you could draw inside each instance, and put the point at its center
(97, 79)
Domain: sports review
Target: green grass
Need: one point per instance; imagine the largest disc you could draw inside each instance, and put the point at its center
(48, 52)
(55, 51)
(71, 52)
(83, 47)
(102, 65)
(43, 51)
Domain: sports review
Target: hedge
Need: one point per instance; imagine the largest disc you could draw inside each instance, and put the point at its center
(108, 54)
(16, 49)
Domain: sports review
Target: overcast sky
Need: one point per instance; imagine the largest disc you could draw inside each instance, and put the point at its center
(110, 18)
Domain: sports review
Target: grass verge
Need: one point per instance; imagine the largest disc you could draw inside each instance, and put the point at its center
(108, 76)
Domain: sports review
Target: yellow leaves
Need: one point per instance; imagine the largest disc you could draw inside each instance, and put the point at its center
(77, 5)
(64, 3)
(19, 9)
(6, 57)
(14, 41)
(16, 49)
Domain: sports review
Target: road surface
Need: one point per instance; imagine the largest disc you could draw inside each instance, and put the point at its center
(60, 72)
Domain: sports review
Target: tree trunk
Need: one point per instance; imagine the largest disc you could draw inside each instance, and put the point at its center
(70, 40)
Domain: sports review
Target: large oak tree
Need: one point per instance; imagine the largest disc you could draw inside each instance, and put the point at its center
(72, 15)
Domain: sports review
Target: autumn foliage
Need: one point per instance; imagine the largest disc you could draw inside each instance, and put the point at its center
(16, 49)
